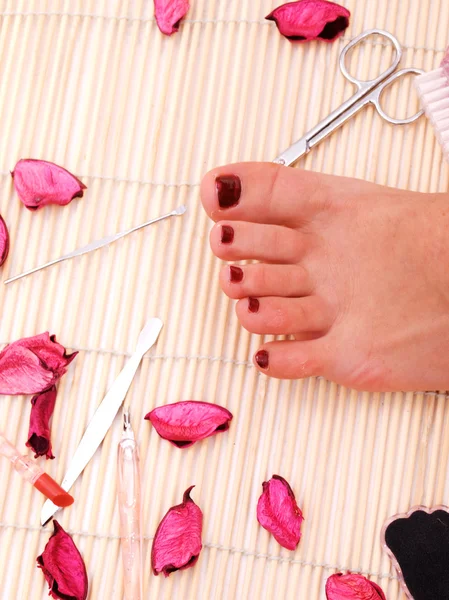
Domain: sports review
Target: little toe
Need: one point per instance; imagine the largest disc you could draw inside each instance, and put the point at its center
(241, 240)
(293, 360)
(264, 193)
(284, 316)
(257, 280)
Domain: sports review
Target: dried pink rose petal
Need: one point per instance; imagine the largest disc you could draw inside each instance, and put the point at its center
(32, 365)
(184, 423)
(278, 512)
(42, 407)
(39, 182)
(63, 566)
(352, 587)
(4, 241)
(169, 14)
(308, 20)
(177, 543)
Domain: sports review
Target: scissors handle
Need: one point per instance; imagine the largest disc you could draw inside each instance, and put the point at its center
(376, 95)
(366, 85)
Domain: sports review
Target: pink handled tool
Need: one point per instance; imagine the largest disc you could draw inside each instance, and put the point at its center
(128, 488)
(29, 470)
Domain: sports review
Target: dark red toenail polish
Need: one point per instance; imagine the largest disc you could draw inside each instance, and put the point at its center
(236, 274)
(262, 359)
(227, 234)
(253, 305)
(229, 188)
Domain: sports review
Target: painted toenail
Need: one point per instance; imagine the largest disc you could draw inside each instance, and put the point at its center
(229, 188)
(262, 359)
(235, 274)
(227, 234)
(253, 305)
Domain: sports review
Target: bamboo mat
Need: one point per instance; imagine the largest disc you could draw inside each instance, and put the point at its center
(94, 86)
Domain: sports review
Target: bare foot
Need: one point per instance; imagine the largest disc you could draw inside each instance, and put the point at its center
(357, 273)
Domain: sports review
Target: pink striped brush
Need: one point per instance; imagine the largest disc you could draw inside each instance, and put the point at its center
(433, 90)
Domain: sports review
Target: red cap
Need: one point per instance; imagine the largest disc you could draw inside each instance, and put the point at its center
(53, 491)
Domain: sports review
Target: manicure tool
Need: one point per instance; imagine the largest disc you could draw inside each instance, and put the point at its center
(369, 92)
(433, 90)
(128, 491)
(105, 413)
(29, 470)
(99, 243)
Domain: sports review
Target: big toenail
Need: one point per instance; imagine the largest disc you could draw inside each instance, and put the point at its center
(262, 359)
(229, 188)
(235, 274)
(227, 234)
(253, 305)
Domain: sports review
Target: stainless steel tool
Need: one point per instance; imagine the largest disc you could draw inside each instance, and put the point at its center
(368, 92)
(99, 243)
(105, 414)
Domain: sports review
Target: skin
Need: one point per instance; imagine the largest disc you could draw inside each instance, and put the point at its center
(355, 273)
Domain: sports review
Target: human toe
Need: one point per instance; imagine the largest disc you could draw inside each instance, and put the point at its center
(274, 315)
(264, 193)
(258, 280)
(292, 359)
(241, 240)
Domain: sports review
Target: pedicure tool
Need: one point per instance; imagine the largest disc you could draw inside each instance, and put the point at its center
(369, 92)
(99, 243)
(433, 89)
(129, 501)
(417, 543)
(105, 413)
(29, 470)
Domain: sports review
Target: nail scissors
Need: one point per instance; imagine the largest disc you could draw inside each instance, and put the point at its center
(369, 92)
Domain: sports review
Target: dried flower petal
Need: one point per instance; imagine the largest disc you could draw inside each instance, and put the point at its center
(39, 182)
(169, 14)
(32, 365)
(52, 353)
(177, 543)
(42, 407)
(4, 241)
(352, 587)
(278, 512)
(184, 423)
(63, 566)
(308, 20)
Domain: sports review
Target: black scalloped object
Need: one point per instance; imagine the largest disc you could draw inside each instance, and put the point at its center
(418, 545)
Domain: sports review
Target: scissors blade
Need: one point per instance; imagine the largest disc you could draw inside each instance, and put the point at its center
(105, 414)
(294, 152)
(98, 244)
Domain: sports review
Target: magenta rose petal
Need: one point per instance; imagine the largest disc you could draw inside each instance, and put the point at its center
(177, 543)
(278, 512)
(42, 407)
(169, 14)
(22, 372)
(352, 587)
(63, 566)
(184, 423)
(53, 354)
(308, 20)
(4, 241)
(38, 183)
(32, 365)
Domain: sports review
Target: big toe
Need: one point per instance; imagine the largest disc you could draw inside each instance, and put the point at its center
(264, 193)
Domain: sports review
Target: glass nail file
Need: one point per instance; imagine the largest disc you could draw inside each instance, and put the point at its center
(99, 243)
